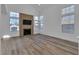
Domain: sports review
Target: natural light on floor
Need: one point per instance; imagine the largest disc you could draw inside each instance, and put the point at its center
(6, 36)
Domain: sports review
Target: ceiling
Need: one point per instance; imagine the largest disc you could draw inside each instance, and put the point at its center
(39, 8)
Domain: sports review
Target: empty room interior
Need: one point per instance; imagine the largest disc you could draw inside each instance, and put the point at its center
(39, 29)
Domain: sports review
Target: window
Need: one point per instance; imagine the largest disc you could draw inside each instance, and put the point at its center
(14, 21)
(36, 21)
(68, 19)
(69, 9)
(41, 22)
(36, 24)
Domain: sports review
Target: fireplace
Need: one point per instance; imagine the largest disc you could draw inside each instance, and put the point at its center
(27, 31)
(26, 24)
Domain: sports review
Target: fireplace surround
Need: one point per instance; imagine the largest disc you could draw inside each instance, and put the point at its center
(26, 24)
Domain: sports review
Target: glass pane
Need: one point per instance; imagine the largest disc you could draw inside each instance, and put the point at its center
(72, 19)
(35, 21)
(14, 14)
(72, 8)
(35, 18)
(41, 25)
(69, 9)
(41, 17)
(68, 19)
(36, 24)
(65, 20)
(13, 28)
(14, 21)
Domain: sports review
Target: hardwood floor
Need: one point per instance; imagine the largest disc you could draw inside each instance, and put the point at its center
(38, 45)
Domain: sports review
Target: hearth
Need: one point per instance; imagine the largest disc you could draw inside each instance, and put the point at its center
(27, 31)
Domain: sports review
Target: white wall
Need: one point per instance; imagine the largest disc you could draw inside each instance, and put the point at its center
(77, 22)
(0, 22)
(4, 22)
(52, 23)
(0, 29)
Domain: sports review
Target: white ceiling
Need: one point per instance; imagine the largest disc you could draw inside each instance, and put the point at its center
(36, 6)
(24, 7)
(42, 6)
(29, 7)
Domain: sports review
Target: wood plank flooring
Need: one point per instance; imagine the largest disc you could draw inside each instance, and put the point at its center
(38, 45)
